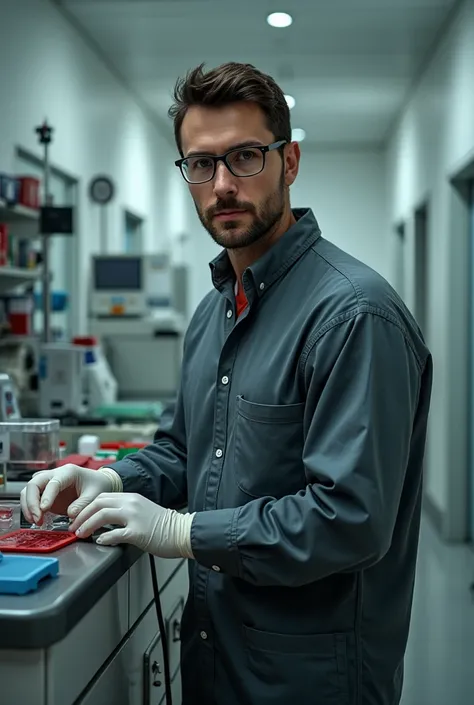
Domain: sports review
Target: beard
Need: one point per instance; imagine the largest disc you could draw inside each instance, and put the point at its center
(233, 235)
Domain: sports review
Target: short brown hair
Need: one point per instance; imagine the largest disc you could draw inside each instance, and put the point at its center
(230, 83)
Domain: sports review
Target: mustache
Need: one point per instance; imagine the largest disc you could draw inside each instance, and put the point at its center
(229, 205)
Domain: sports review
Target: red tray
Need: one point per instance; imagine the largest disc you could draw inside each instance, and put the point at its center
(35, 541)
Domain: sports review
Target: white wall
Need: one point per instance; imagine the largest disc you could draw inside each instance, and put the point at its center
(345, 189)
(47, 70)
(432, 142)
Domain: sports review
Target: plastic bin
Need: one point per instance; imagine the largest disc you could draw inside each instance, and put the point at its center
(20, 315)
(29, 445)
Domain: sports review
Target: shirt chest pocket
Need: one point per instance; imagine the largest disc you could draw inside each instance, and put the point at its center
(268, 449)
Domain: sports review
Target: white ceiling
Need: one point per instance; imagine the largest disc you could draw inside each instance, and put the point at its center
(349, 63)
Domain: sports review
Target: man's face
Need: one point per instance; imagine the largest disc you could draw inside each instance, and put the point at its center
(237, 211)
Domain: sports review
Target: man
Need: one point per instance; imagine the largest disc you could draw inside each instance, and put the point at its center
(296, 442)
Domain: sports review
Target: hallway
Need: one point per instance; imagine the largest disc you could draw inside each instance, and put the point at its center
(440, 657)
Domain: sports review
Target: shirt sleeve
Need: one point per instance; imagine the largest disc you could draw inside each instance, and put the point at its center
(158, 471)
(363, 384)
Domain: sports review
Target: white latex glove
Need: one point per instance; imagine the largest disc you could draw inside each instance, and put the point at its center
(65, 491)
(146, 525)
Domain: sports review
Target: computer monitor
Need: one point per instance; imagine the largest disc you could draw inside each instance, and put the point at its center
(118, 286)
(117, 273)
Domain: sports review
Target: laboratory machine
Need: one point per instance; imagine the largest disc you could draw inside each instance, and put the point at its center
(75, 379)
(138, 311)
(134, 286)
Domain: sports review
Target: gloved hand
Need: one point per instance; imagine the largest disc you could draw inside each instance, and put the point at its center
(65, 491)
(162, 532)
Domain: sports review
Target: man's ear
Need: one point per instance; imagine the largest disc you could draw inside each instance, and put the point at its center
(291, 160)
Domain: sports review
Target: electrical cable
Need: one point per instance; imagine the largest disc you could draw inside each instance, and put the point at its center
(161, 625)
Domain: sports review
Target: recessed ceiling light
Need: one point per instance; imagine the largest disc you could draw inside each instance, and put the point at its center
(291, 101)
(279, 19)
(298, 135)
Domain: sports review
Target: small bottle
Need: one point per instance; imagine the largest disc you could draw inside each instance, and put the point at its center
(88, 445)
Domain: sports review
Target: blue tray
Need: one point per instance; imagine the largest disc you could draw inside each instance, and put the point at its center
(22, 574)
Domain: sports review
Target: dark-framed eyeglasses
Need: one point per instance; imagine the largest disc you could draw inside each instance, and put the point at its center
(242, 162)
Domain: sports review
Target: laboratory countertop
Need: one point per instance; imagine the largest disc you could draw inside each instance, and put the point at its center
(41, 618)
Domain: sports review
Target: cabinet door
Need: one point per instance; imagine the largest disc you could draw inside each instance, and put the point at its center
(92, 641)
(125, 679)
(135, 676)
(23, 677)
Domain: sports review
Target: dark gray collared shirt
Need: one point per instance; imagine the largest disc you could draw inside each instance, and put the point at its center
(298, 438)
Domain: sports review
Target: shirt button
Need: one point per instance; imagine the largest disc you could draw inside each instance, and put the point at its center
(219, 453)
(229, 314)
(262, 286)
(203, 635)
(216, 568)
(225, 380)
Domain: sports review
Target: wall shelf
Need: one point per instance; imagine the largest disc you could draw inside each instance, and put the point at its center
(16, 214)
(11, 277)
(10, 339)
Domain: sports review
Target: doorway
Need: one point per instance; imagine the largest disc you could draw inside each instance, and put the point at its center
(422, 268)
(133, 234)
(400, 260)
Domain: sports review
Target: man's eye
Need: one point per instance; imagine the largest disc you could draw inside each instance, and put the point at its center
(202, 164)
(246, 155)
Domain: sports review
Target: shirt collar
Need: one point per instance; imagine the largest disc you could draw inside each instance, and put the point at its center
(274, 263)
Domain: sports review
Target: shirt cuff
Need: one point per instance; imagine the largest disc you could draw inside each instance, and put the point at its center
(183, 534)
(117, 484)
(214, 540)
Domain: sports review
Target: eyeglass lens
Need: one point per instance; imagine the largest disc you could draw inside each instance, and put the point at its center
(242, 162)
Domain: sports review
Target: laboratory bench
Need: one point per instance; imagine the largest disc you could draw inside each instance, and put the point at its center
(90, 635)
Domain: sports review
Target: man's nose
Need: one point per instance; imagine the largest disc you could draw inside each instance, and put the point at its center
(225, 183)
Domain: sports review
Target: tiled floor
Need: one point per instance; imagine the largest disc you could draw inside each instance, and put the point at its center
(439, 666)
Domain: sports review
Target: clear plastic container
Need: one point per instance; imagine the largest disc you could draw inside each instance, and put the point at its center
(28, 446)
(10, 516)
